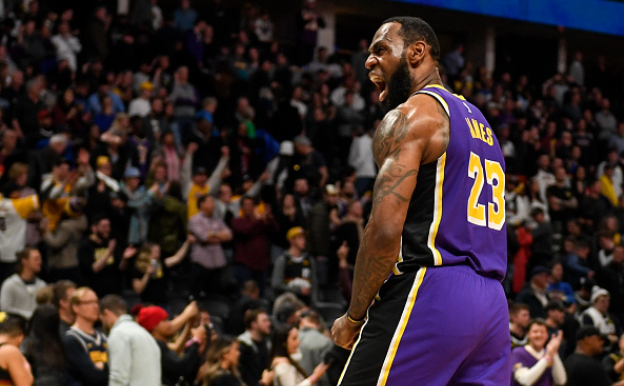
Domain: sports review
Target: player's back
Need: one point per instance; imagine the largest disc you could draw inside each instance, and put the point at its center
(457, 211)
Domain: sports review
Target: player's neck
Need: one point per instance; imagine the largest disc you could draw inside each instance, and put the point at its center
(430, 77)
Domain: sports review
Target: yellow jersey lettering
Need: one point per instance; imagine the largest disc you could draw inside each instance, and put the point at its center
(489, 141)
(479, 131)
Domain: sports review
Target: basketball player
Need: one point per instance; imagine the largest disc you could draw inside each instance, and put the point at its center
(434, 251)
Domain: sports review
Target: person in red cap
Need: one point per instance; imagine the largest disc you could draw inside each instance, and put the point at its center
(174, 368)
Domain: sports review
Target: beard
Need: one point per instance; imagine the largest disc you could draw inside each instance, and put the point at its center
(399, 87)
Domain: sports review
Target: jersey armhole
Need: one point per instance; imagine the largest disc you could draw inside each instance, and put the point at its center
(438, 98)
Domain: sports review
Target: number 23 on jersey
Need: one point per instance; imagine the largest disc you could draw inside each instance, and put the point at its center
(495, 178)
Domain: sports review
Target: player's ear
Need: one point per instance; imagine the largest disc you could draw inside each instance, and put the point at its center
(415, 52)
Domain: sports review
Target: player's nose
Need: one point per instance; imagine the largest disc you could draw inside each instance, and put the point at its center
(371, 61)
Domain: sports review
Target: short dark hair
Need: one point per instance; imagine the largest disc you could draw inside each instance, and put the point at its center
(537, 321)
(114, 304)
(24, 254)
(12, 325)
(414, 29)
(514, 309)
(99, 217)
(60, 291)
(251, 316)
(201, 199)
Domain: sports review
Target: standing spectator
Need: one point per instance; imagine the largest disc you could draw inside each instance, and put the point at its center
(605, 120)
(134, 356)
(99, 265)
(542, 247)
(185, 99)
(175, 369)
(14, 368)
(207, 254)
(251, 243)
(17, 295)
(263, 27)
(610, 278)
(311, 21)
(561, 200)
(43, 347)
(323, 218)
(295, 270)
(14, 214)
(534, 293)
(577, 72)
(63, 291)
(167, 224)
(544, 178)
(141, 106)
(582, 367)
(64, 242)
(313, 345)
(150, 275)
(361, 159)
(26, 110)
(200, 184)
(67, 46)
(139, 203)
(97, 34)
(184, 17)
(85, 346)
(538, 363)
(254, 346)
(249, 300)
(285, 357)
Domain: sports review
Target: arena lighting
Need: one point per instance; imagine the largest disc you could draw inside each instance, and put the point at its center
(590, 15)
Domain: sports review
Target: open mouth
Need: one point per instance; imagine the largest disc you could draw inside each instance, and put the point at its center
(381, 85)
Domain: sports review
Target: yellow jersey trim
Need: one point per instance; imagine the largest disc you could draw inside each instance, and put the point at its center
(437, 211)
(396, 340)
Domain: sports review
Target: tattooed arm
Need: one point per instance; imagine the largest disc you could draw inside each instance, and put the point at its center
(414, 133)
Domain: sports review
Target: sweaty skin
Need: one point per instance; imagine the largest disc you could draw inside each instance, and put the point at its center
(414, 133)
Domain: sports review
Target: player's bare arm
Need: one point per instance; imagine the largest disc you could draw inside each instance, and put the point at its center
(414, 133)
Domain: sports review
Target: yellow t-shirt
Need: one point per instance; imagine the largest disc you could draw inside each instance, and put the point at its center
(194, 193)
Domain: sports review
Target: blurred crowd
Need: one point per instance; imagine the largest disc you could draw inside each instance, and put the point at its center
(187, 164)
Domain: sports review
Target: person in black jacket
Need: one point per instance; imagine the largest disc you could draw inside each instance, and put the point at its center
(176, 370)
(534, 293)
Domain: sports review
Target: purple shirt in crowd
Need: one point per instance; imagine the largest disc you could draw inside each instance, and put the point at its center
(207, 255)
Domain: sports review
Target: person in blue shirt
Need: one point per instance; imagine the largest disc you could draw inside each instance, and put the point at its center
(557, 288)
(184, 17)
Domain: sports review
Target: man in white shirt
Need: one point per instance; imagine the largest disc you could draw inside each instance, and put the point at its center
(141, 106)
(18, 292)
(67, 45)
(133, 355)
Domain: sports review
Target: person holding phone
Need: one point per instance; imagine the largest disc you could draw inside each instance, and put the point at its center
(286, 357)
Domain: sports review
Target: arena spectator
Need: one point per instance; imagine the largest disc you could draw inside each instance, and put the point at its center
(14, 368)
(582, 367)
(207, 254)
(557, 288)
(43, 347)
(222, 365)
(249, 300)
(534, 294)
(13, 238)
(174, 368)
(251, 243)
(295, 271)
(150, 273)
(313, 345)
(67, 46)
(519, 318)
(254, 346)
(576, 266)
(613, 363)
(99, 265)
(17, 295)
(134, 356)
(538, 363)
(65, 240)
(85, 346)
(63, 291)
(285, 358)
(598, 315)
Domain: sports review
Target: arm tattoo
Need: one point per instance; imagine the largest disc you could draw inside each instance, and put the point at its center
(388, 136)
(379, 250)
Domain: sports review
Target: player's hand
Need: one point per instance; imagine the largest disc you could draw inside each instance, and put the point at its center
(344, 331)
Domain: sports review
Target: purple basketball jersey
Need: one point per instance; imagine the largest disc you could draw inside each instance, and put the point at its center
(457, 212)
